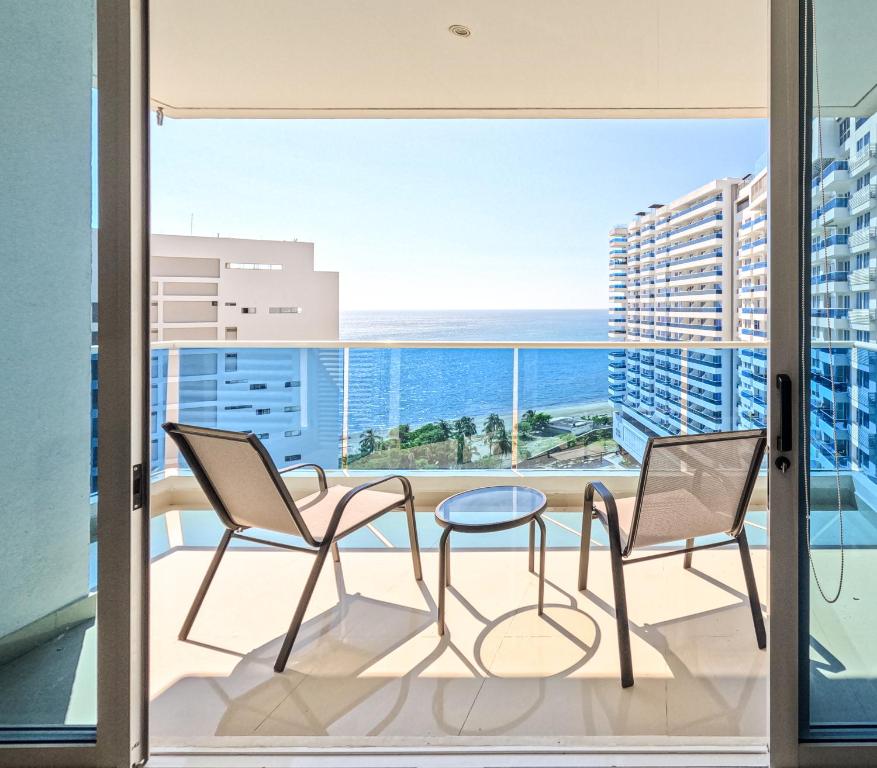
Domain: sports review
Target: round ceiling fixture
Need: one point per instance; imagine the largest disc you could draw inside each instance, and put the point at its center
(459, 30)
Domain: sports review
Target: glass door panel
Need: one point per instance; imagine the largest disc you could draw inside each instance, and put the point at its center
(838, 682)
(48, 500)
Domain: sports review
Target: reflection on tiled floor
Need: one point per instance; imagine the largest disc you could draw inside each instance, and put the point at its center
(369, 663)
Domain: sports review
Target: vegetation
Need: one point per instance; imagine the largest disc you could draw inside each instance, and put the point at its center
(442, 443)
(533, 423)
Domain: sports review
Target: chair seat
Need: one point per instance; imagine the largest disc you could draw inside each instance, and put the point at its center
(318, 508)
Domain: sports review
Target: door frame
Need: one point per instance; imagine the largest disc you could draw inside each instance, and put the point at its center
(119, 739)
(789, 211)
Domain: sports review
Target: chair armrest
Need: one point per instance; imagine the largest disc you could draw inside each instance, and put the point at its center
(348, 497)
(321, 474)
(605, 494)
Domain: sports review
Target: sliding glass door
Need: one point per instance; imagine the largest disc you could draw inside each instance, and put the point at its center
(71, 207)
(824, 473)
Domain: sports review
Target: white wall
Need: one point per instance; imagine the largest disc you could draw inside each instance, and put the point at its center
(296, 284)
(45, 250)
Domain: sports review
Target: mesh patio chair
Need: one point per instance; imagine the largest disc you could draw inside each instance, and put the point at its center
(246, 490)
(689, 486)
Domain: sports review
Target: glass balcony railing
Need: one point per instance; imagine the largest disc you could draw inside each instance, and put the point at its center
(481, 407)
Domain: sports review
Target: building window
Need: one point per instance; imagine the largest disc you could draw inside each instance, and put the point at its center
(250, 265)
(231, 334)
(248, 310)
(258, 386)
(231, 303)
(262, 435)
(863, 142)
(284, 310)
(235, 381)
(292, 457)
(843, 130)
(231, 361)
(262, 411)
(863, 335)
(291, 408)
(289, 384)
(292, 433)
(237, 407)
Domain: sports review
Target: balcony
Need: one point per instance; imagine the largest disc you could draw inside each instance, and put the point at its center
(862, 239)
(863, 160)
(862, 319)
(862, 279)
(862, 199)
(369, 668)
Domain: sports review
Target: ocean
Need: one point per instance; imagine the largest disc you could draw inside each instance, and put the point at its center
(388, 387)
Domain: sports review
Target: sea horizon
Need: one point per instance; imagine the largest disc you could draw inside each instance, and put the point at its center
(416, 386)
(474, 325)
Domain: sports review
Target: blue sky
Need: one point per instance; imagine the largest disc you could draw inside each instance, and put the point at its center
(441, 214)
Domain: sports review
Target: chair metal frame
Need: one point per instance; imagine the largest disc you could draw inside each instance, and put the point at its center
(315, 546)
(619, 555)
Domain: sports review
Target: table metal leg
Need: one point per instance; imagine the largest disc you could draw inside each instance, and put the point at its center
(532, 546)
(541, 564)
(444, 560)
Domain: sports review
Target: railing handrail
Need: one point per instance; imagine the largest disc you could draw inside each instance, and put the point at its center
(421, 344)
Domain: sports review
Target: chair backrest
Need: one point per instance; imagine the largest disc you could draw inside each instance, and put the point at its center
(695, 485)
(239, 478)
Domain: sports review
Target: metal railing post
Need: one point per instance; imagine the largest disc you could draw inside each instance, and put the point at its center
(515, 374)
(345, 395)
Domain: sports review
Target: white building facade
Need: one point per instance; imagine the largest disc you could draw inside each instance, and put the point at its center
(676, 274)
(214, 289)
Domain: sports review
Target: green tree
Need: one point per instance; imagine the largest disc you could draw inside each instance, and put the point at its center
(464, 428)
(503, 442)
(492, 425)
(444, 428)
(369, 442)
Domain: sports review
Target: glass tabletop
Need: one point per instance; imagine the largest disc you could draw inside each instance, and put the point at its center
(499, 505)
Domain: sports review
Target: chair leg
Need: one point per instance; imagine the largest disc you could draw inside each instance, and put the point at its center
(336, 555)
(686, 563)
(585, 546)
(412, 537)
(752, 589)
(444, 564)
(621, 620)
(532, 562)
(205, 584)
(541, 565)
(299, 615)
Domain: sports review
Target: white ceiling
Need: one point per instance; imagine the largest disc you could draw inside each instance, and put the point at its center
(594, 58)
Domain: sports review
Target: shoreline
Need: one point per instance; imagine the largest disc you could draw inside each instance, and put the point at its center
(556, 412)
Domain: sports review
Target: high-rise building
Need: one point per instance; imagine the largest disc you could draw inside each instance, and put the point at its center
(844, 298)
(750, 299)
(675, 273)
(220, 288)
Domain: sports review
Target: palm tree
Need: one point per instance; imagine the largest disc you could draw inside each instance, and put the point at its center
(504, 442)
(444, 429)
(368, 442)
(464, 428)
(492, 425)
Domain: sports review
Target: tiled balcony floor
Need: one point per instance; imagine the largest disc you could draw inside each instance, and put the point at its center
(369, 666)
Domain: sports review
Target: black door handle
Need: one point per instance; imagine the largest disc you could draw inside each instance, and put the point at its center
(784, 438)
